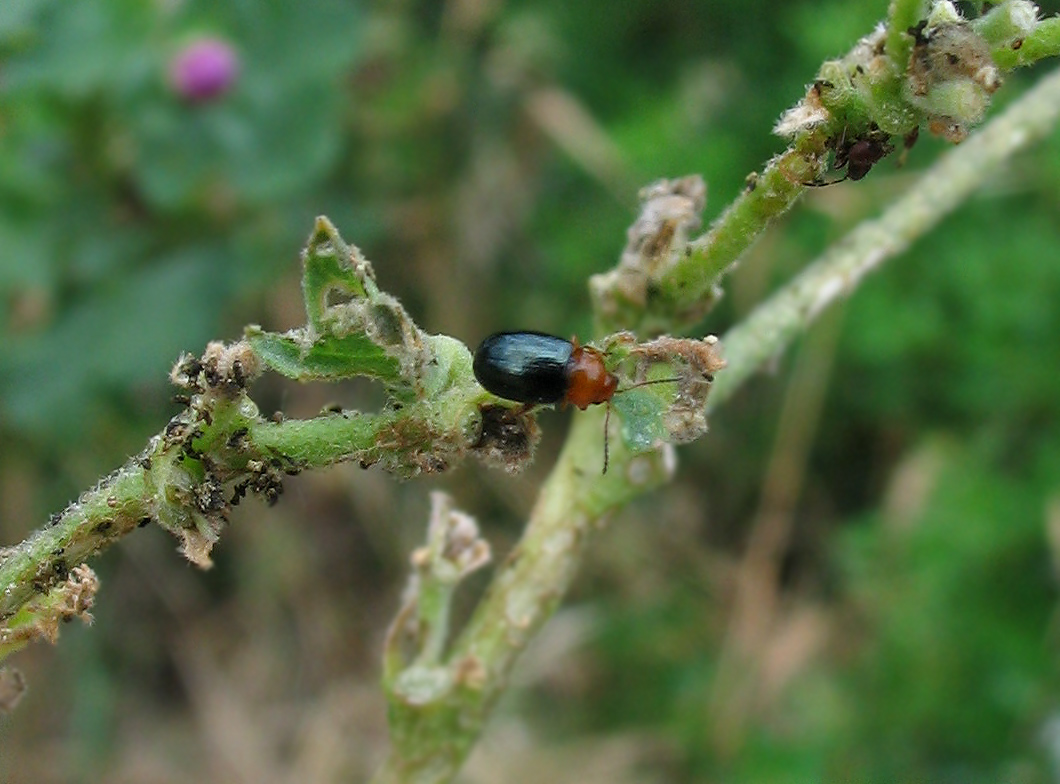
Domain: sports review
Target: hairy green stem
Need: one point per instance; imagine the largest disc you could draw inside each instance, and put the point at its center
(776, 322)
(771, 194)
(902, 15)
(326, 440)
(431, 741)
(134, 494)
(1043, 42)
(101, 516)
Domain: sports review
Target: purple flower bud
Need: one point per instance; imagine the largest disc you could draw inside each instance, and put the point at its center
(203, 69)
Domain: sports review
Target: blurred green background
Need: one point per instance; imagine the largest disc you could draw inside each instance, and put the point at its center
(854, 577)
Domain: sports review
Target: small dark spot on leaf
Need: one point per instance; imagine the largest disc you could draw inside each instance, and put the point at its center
(387, 325)
(236, 439)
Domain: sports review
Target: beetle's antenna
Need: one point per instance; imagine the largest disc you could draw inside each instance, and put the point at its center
(826, 183)
(607, 422)
(708, 377)
(648, 382)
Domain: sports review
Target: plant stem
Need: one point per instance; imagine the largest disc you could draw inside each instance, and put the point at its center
(1043, 42)
(100, 517)
(431, 744)
(532, 581)
(775, 323)
(712, 255)
(902, 15)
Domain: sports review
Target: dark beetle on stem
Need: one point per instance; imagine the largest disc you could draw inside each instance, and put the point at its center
(535, 368)
(532, 367)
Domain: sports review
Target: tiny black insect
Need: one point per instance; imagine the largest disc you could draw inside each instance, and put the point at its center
(860, 156)
(857, 155)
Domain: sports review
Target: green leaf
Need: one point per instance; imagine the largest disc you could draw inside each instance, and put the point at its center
(328, 358)
(328, 266)
(366, 333)
(642, 412)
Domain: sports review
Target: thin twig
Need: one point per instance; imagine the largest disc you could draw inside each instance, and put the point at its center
(768, 330)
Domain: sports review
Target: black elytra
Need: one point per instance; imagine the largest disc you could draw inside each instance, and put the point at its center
(528, 367)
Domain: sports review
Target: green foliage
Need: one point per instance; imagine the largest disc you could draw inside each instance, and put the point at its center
(361, 336)
(993, 361)
(329, 357)
(641, 412)
(119, 198)
(959, 597)
(134, 226)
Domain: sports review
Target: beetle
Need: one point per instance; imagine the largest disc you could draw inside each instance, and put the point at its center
(536, 368)
(533, 367)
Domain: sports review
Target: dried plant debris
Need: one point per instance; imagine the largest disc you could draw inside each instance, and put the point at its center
(12, 688)
(454, 546)
(225, 368)
(694, 363)
(41, 618)
(951, 74)
(507, 438)
(671, 210)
